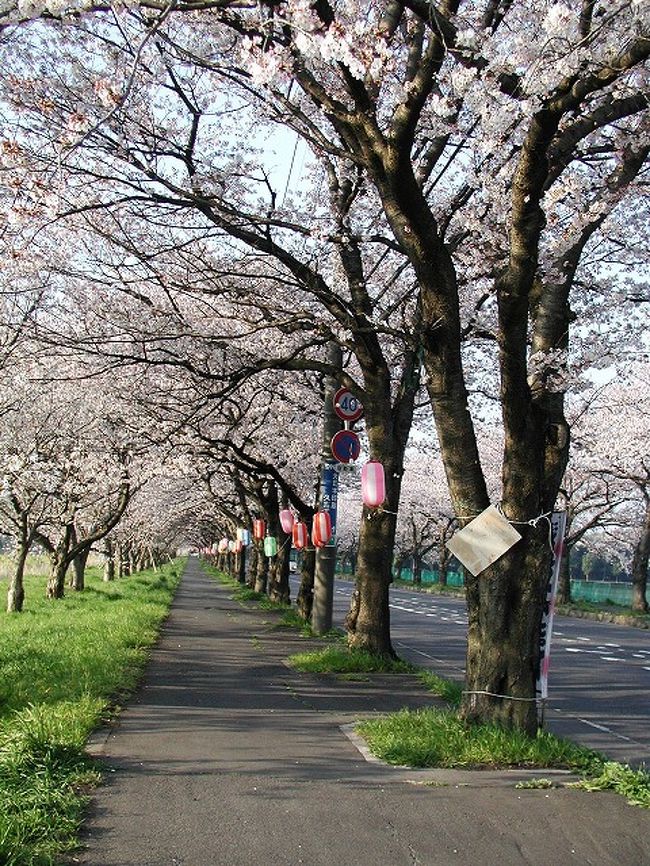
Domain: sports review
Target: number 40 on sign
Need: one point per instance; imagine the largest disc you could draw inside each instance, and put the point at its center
(347, 406)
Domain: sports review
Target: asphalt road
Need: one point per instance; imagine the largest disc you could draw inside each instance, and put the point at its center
(599, 681)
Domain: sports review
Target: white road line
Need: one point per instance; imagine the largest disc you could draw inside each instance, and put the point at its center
(605, 729)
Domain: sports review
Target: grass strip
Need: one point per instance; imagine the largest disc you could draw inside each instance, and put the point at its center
(439, 738)
(340, 659)
(63, 666)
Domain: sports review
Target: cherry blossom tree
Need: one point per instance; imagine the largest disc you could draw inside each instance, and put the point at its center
(622, 463)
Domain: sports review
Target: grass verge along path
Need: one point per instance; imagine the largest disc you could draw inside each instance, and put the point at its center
(440, 738)
(64, 666)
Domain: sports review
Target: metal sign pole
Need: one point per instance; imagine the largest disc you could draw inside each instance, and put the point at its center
(321, 617)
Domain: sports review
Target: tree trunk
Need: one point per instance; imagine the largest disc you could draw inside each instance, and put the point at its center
(505, 605)
(443, 565)
(109, 560)
(417, 570)
(125, 561)
(79, 570)
(59, 564)
(262, 574)
(56, 581)
(640, 565)
(241, 566)
(305, 597)
(16, 593)
(369, 627)
(279, 590)
(252, 557)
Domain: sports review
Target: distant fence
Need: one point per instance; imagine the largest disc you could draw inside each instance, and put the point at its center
(595, 591)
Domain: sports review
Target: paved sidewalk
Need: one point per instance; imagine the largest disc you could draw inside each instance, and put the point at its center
(226, 757)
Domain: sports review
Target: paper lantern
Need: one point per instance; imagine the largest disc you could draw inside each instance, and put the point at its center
(231, 546)
(321, 530)
(270, 545)
(239, 546)
(259, 529)
(299, 535)
(373, 484)
(244, 536)
(286, 520)
(223, 545)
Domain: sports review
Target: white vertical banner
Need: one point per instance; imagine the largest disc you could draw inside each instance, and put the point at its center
(558, 528)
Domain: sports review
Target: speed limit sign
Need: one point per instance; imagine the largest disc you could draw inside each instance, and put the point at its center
(347, 406)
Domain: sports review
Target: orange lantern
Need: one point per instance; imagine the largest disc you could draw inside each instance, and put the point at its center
(259, 529)
(299, 535)
(321, 530)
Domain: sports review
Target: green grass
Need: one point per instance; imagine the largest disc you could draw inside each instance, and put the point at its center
(64, 665)
(439, 738)
(342, 660)
(634, 785)
(449, 690)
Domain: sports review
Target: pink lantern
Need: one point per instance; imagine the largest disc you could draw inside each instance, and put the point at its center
(223, 545)
(286, 520)
(299, 535)
(321, 530)
(259, 529)
(239, 545)
(373, 484)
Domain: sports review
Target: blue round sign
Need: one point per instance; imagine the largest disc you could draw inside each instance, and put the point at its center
(345, 446)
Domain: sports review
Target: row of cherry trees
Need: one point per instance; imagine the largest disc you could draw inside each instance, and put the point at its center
(473, 193)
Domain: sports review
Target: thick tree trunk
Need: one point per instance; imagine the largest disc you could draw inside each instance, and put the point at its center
(56, 581)
(305, 597)
(417, 570)
(79, 570)
(369, 627)
(505, 605)
(640, 565)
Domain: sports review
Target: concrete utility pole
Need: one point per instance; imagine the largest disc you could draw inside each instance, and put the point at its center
(321, 617)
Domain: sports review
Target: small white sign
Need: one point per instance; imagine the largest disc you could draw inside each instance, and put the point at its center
(483, 541)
